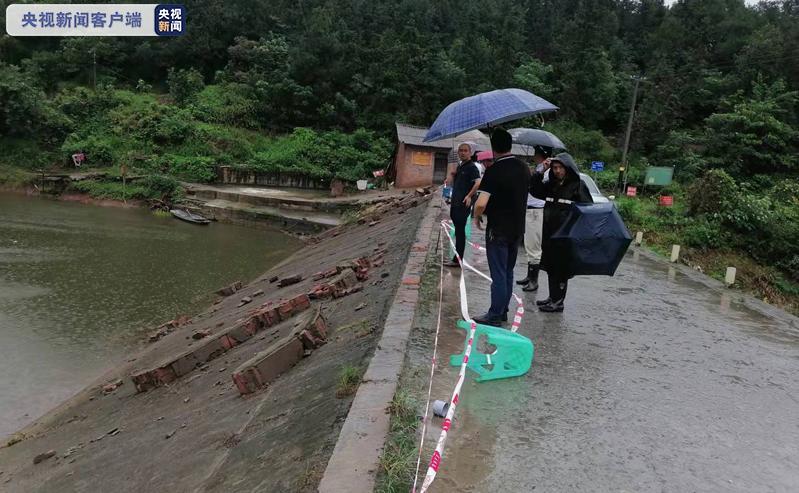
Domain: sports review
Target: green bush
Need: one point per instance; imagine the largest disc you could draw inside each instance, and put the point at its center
(584, 145)
(86, 106)
(99, 149)
(751, 213)
(715, 192)
(191, 168)
(630, 209)
(184, 84)
(229, 104)
(704, 234)
(787, 191)
(325, 154)
(159, 186)
(112, 190)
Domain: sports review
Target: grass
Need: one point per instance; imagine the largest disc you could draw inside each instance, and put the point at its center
(15, 177)
(398, 461)
(350, 216)
(348, 380)
(664, 227)
(160, 213)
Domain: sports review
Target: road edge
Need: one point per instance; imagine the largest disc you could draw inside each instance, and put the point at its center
(355, 461)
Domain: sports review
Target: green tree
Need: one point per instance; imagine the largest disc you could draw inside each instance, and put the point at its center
(536, 77)
(751, 135)
(184, 84)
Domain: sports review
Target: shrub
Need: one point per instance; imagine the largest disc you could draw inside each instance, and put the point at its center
(229, 104)
(99, 149)
(159, 186)
(704, 234)
(630, 209)
(751, 213)
(184, 84)
(787, 191)
(715, 192)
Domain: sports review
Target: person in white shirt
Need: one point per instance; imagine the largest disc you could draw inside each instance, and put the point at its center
(533, 226)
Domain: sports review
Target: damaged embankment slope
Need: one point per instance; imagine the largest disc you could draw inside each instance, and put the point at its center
(242, 397)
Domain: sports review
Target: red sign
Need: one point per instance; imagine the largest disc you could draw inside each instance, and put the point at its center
(666, 201)
(632, 191)
(377, 173)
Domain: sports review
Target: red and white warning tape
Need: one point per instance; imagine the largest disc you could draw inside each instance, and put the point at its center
(435, 460)
(476, 246)
(517, 318)
(432, 366)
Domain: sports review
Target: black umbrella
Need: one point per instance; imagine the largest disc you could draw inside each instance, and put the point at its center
(592, 241)
(536, 137)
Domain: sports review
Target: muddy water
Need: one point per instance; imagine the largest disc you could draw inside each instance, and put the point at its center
(79, 285)
(649, 381)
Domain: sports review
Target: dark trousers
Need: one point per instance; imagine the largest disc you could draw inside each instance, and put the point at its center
(459, 216)
(557, 287)
(501, 254)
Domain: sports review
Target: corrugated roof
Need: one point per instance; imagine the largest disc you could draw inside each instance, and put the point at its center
(414, 135)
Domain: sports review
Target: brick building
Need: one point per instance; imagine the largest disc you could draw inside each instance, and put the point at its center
(421, 164)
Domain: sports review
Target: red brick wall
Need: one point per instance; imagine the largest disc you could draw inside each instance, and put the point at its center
(411, 175)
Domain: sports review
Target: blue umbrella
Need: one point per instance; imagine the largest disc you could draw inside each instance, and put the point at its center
(488, 108)
(592, 241)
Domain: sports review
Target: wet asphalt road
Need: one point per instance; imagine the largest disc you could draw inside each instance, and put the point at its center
(649, 381)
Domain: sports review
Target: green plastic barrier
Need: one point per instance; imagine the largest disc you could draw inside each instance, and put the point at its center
(512, 358)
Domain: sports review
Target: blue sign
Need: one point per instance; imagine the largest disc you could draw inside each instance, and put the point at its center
(169, 19)
(597, 166)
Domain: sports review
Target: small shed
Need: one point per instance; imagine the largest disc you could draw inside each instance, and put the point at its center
(421, 164)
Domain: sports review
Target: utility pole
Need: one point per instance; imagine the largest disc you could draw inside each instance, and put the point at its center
(623, 169)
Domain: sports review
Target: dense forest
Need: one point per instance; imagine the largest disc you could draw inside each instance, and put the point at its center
(316, 86)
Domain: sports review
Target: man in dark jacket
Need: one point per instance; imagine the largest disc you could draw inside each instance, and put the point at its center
(503, 198)
(465, 182)
(563, 188)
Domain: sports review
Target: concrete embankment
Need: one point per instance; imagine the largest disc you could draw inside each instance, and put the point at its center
(242, 397)
(300, 211)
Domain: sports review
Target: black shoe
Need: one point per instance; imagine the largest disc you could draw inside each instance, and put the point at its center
(532, 278)
(543, 302)
(552, 307)
(522, 282)
(505, 317)
(487, 319)
(452, 263)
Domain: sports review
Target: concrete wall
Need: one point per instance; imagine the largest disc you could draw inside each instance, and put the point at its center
(233, 176)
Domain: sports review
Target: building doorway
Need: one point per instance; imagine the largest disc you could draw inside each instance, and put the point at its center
(440, 168)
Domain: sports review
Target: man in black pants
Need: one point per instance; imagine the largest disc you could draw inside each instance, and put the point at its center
(464, 186)
(503, 197)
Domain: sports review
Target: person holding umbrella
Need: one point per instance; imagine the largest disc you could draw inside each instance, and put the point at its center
(534, 225)
(465, 182)
(503, 198)
(563, 188)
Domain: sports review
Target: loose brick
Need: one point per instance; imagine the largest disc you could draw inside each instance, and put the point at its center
(242, 331)
(227, 342)
(301, 302)
(285, 310)
(411, 280)
(265, 367)
(185, 364)
(269, 317)
(288, 281)
(309, 341)
(228, 290)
